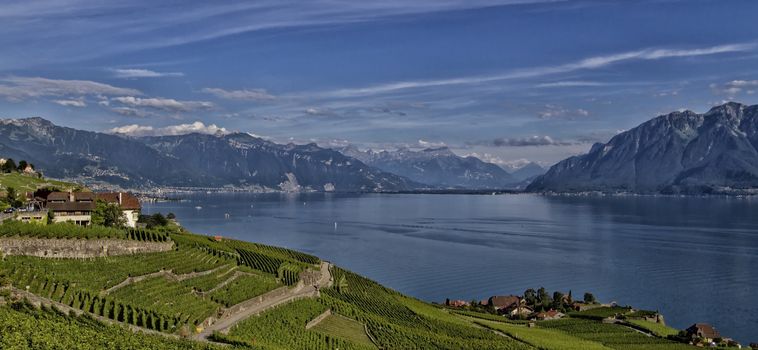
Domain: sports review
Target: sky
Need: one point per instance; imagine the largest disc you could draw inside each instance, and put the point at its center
(509, 81)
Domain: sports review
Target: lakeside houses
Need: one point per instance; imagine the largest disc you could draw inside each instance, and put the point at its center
(548, 315)
(77, 207)
(457, 303)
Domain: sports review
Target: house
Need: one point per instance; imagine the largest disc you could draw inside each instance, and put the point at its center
(521, 311)
(548, 315)
(77, 207)
(38, 216)
(457, 303)
(702, 331)
(504, 302)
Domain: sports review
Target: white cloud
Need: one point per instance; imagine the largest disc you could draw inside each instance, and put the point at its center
(571, 83)
(244, 94)
(558, 112)
(584, 64)
(536, 140)
(166, 104)
(130, 112)
(181, 129)
(22, 88)
(71, 103)
(735, 87)
(131, 73)
(431, 144)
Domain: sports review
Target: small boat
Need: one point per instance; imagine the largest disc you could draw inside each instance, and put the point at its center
(198, 207)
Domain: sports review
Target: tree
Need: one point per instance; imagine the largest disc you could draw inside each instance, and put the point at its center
(108, 214)
(589, 298)
(11, 196)
(171, 216)
(557, 300)
(21, 166)
(530, 296)
(9, 166)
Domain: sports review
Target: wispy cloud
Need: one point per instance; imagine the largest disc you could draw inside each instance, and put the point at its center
(572, 83)
(22, 88)
(132, 73)
(735, 87)
(557, 112)
(589, 63)
(71, 103)
(180, 129)
(244, 94)
(166, 104)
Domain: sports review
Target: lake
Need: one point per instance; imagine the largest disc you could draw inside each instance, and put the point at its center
(694, 259)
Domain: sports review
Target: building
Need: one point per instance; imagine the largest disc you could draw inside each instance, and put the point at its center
(522, 311)
(702, 331)
(504, 302)
(457, 303)
(77, 207)
(548, 315)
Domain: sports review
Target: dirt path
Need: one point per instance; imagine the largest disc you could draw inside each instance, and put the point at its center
(268, 300)
(166, 273)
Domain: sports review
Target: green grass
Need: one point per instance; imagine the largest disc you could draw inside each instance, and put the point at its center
(542, 338)
(611, 335)
(601, 312)
(25, 183)
(655, 328)
(345, 328)
(67, 230)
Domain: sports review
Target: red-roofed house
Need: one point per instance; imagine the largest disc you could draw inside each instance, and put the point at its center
(77, 207)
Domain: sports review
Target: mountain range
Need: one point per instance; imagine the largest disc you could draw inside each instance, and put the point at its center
(436, 167)
(681, 152)
(193, 160)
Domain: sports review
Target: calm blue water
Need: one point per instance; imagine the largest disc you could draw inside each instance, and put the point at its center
(694, 259)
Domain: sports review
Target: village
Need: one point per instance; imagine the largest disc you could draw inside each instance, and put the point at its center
(539, 305)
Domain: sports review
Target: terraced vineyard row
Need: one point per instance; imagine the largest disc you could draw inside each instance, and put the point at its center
(70, 231)
(611, 335)
(284, 328)
(25, 327)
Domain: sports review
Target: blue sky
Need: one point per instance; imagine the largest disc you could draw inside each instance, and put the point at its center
(506, 80)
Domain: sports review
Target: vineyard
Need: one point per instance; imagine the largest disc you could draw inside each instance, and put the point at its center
(611, 335)
(284, 328)
(25, 327)
(73, 231)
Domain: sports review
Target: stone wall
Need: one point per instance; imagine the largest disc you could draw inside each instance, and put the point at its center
(78, 248)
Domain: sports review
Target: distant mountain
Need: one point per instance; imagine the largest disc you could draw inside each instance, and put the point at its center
(193, 160)
(528, 171)
(682, 152)
(436, 167)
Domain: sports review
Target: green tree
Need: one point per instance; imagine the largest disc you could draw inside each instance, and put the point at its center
(108, 214)
(9, 166)
(11, 197)
(22, 165)
(530, 295)
(589, 298)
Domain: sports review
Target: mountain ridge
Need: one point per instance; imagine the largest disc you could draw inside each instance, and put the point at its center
(680, 152)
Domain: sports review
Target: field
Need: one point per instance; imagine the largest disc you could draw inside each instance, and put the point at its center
(611, 335)
(543, 338)
(655, 328)
(25, 327)
(25, 183)
(344, 327)
(170, 292)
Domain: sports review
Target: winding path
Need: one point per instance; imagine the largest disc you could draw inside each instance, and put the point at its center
(268, 300)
